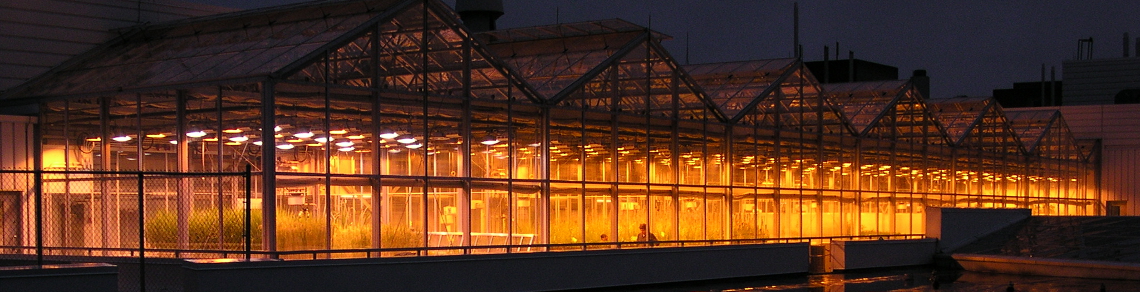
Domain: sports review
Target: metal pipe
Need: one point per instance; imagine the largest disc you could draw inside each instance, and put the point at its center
(827, 64)
(1053, 87)
(850, 66)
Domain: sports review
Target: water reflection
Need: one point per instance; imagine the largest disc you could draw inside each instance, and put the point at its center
(914, 279)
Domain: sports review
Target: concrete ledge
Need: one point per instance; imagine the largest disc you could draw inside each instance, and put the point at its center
(66, 277)
(851, 255)
(1049, 267)
(505, 272)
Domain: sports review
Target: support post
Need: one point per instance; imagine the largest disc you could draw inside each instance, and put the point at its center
(142, 233)
(248, 211)
(268, 169)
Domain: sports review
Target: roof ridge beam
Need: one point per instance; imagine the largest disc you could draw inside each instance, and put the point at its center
(597, 70)
(350, 35)
(751, 106)
(689, 82)
(480, 48)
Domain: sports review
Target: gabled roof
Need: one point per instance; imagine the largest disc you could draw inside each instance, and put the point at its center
(423, 48)
(864, 103)
(609, 65)
(777, 93)
(1044, 133)
(554, 58)
(975, 122)
(734, 85)
(238, 45)
(891, 109)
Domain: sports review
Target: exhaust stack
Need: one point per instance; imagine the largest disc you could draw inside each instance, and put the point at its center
(479, 15)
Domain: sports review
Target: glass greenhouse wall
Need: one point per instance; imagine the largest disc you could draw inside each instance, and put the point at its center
(386, 124)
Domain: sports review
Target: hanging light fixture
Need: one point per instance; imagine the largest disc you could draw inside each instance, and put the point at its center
(489, 140)
(406, 139)
(239, 138)
(324, 139)
(388, 133)
(285, 146)
(195, 133)
(414, 145)
(347, 149)
(258, 143)
(121, 137)
(303, 133)
(344, 143)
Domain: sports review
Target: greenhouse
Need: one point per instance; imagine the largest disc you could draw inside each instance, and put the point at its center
(387, 124)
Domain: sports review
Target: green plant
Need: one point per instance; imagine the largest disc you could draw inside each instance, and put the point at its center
(398, 236)
(162, 229)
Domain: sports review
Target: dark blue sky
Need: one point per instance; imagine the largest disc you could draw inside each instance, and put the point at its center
(968, 47)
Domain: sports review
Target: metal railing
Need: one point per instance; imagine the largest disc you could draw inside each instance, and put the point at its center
(432, 251)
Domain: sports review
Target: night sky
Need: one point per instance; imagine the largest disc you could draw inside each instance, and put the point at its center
(968, 47)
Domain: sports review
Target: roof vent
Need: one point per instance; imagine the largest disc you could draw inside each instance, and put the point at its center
(479, 15)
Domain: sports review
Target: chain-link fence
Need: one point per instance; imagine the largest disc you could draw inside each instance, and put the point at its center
(74, 216)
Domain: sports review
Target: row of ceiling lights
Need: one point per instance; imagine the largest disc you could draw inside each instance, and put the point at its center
(410, 141)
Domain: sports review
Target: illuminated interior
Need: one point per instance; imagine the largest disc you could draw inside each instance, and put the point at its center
(385, 124)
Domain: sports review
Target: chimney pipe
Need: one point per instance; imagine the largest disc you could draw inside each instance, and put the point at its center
(1042, 85)
(1053, 87)
(921, 82)
(479, 15)
(850, 66)
(826, 65)
(796, 29)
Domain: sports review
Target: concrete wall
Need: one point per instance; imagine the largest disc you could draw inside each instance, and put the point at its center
(956, 227)
(852, 255)
(1118, 127)
(1098, 81)
(508, 272)
(1049, 267)
(51, 278)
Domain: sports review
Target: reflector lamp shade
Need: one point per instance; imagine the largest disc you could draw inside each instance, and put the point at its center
(388, 134)
(490, 140)
(406, 139)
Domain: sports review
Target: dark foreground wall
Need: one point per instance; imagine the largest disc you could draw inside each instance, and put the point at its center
(507, 272)
(1049, 267)
(956, 227)
(853, 255)
(67, 277)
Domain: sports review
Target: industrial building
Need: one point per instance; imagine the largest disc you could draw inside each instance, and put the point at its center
(389, 126)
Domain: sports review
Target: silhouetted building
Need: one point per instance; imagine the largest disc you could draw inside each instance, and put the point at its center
(1102, 81)
(847, 70)
(1031, 94)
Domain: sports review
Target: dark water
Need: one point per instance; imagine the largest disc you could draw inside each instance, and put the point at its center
(913, 279)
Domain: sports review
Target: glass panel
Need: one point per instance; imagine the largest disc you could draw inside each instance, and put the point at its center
(632, 212)
(663, 206)
(403, 215)
(600, 214)
(691, 219)
(566, 213)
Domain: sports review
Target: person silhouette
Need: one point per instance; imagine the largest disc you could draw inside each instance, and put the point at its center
(646, 236)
